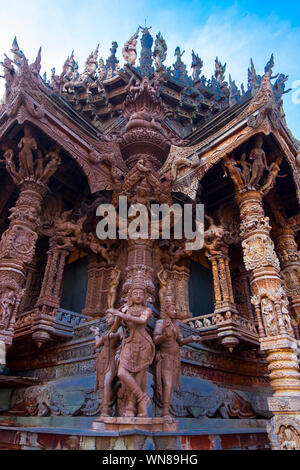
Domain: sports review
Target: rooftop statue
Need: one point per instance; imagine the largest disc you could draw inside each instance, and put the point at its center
(68, 72)
(112, 62)
(146, 52)
(220, 71)
(179, 68)
(235, 94)
(101, 70)
(91, 65)
(9, 73)
(279, 88)
(254, 80)
(270, 65)
(17, 53)
(129, 49)
(36, 66)
(197, 65)
(160, 52)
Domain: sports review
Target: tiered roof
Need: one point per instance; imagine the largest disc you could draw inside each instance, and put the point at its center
(191, 101)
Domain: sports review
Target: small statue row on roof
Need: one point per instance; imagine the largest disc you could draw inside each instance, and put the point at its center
(96, 71)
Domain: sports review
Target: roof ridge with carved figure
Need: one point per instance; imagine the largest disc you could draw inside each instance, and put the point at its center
(191, 113)
(98, 92)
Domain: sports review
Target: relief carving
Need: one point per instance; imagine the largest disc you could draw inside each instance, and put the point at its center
(288, 438)
(258, 252)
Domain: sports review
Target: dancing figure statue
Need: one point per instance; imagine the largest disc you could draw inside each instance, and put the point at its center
(163, 281)
(137, 350)
(112, 291)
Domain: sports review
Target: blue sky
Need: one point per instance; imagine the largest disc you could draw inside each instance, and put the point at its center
(233, 31)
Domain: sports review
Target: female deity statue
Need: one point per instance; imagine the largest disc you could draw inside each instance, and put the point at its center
(114, 283)
(7, 301)
(258, 157)
(163, 281)
(106, 361)
(137, 350)
(168, 337)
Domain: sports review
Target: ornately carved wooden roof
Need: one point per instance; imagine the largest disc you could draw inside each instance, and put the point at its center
(191, 102)
(89, 113)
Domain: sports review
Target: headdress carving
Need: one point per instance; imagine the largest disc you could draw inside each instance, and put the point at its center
(139, 281)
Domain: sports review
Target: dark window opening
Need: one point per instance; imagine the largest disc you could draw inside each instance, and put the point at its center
(201, 297)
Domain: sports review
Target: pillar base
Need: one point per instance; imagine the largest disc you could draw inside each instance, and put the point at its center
(129, 424)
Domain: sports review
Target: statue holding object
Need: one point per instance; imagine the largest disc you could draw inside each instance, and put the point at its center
(137, 350)
(168, 337)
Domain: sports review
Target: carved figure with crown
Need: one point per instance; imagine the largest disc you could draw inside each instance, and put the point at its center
(137, 349)
(168, 337)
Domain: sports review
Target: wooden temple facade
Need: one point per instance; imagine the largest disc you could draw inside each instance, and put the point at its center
(152, 134)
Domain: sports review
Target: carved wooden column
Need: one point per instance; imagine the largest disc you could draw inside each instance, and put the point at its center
(289, 257)
(30, 170)
(223, 298)
(17, 248)
(99, 277)
(270, 302)
(180, 276)
(223, 292)
(50, 294)
(53, 276)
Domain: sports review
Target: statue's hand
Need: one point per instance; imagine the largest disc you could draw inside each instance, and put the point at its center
(196, 339)
(110, 310)
(95, 330)
(119, 314)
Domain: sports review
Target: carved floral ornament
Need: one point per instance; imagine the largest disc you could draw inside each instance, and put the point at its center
(259, 252)
(18, 240)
